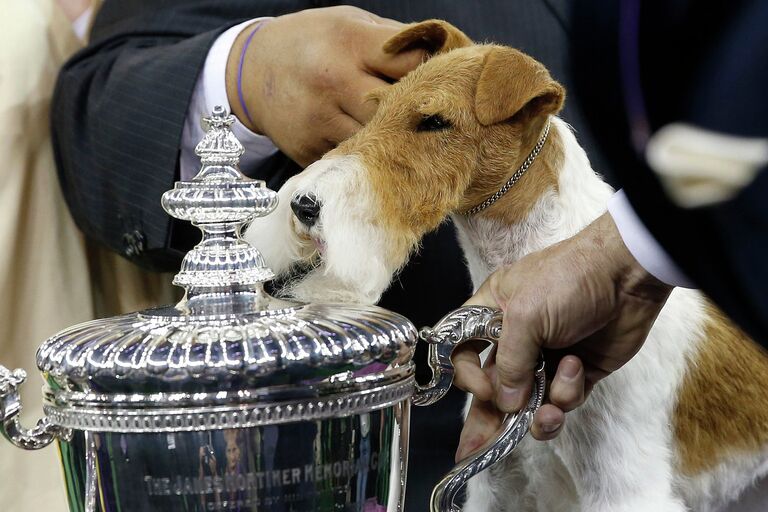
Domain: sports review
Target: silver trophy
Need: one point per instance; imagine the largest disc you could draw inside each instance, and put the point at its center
(234, 400)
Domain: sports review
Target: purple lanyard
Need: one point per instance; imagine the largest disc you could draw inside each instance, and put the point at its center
(240, 96)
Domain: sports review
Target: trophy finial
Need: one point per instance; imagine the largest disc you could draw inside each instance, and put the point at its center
(221, 202)
(219, 147)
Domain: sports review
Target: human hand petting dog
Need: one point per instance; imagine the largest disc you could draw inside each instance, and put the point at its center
(586, 298)
(306, 76)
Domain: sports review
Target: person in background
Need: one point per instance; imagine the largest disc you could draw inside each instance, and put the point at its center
(51, 277)
(44, 284)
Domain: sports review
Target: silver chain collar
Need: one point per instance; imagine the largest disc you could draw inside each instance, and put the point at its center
(515, 177)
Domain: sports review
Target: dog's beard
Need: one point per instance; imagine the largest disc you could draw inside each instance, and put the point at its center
(352, 266)
(308, 283)
(358, 259)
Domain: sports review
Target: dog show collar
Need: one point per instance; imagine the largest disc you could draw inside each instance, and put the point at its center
(515, 177)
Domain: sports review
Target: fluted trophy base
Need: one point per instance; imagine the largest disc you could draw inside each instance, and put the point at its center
(354, 463)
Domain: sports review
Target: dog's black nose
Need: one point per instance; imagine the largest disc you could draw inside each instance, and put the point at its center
(306, 207)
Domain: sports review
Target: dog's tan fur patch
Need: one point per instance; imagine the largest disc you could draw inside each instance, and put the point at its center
(422, 176)
(416, 191)
(723, 401)
(512, 84)
(515, 206)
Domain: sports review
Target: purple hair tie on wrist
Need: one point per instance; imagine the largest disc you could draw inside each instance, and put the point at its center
(240, 96)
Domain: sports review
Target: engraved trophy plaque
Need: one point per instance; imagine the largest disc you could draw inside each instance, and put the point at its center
(233, 400)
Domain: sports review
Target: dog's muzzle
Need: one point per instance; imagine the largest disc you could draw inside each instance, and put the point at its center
(306, 207)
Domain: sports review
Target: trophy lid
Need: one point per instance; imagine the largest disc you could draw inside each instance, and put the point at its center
(228, 337)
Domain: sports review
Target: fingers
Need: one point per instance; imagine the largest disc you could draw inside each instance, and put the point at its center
(517, 356)
(567, 390)
(565, 394)
(332, 130)
(355, 101)
(481, 424)
(395, 66)
(547, 422)
(469, 375)
(483, 297)
(518, 349)
(343, 127)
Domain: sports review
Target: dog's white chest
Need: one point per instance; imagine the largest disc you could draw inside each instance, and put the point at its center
(489, 244)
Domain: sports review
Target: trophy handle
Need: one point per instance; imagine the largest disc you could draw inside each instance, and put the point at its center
(464, 324)
(42, 434)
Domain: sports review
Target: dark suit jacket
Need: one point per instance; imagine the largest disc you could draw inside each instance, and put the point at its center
(642, 65)
(118, 112)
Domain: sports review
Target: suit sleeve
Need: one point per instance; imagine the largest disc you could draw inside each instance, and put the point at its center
(118, 114)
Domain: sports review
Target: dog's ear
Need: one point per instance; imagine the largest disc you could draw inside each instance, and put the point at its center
(434, 36)
(511, 83)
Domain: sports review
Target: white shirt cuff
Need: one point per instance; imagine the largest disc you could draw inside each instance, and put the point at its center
(643, 246)
(211, 90)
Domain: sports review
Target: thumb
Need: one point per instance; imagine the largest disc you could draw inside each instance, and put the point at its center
(483, 297)
(516, 359)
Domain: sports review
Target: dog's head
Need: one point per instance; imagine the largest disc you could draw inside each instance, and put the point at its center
(443, 138)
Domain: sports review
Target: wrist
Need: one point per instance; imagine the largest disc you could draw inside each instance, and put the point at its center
(243, 80)
(628, 275)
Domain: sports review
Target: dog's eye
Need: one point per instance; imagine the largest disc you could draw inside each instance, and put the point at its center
(433, 123)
